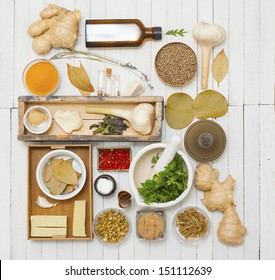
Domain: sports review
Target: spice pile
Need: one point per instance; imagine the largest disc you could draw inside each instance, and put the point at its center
(114, 159)
(111, 226)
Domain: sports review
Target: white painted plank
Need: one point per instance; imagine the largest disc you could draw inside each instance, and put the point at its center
(252, 187)
(48, 250)
(267, 44)
(18, 216)
(252, 52)
(235, 144)
(236, 52)
(267, 183)
(157, 247)
(5, 161)
(141, 247)
(6, 49)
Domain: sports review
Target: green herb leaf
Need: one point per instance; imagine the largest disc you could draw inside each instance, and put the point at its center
(176, 32)
(167, 185)
(110, 126)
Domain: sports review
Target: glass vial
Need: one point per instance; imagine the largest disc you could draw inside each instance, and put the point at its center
(100, 82)
(119, 33)
(108, 82)
(116, 85)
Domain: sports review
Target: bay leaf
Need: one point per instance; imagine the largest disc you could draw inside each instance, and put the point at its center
(209, 104)
(178, 110)
(80, 79)
(220, 67)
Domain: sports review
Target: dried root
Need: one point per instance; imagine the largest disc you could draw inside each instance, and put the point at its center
(219, 196)
(57, 28)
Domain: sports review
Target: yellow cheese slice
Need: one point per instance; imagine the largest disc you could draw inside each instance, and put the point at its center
(48, 231)
(79, 218)
(51, 221)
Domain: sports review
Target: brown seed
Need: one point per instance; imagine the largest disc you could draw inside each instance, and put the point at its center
(176, 64)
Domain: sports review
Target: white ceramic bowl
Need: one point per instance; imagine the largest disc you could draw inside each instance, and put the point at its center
(140, 169)
(41, 128)
(78, 165)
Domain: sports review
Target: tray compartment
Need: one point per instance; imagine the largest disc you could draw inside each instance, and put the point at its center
(84, 134)
(64, 207)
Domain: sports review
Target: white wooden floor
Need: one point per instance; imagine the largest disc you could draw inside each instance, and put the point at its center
(249, 124)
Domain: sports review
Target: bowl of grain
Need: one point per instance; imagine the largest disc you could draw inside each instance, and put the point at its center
(176, 64)
(111, 227)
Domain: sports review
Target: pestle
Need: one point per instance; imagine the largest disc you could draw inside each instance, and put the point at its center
(166, 156)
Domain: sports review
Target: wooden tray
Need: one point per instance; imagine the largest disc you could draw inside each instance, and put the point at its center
(64, 207)
(56, 103)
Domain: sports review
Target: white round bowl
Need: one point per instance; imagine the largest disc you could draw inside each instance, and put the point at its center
(41, 128)
(140, 169)
(78, 166)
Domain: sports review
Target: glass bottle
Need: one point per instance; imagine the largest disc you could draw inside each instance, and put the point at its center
(100, 82)
(119, 33)
(108, 82)
(116, 85)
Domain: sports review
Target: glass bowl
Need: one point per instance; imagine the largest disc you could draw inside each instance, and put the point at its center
(111, 232)
(40, 78)
(183, 239)
(143, 213)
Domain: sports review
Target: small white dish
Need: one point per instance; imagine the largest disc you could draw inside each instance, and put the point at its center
(41, 128)
(78, 166)
(140, 169)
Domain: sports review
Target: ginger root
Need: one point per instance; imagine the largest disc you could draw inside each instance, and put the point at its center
(57, 28)
(219, 196)
(230, 230)
(205, 176)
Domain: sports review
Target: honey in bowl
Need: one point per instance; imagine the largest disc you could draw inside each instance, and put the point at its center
(41, 78)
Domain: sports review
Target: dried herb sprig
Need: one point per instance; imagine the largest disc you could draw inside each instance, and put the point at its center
(110, 126)
(73, 54)
(176, 32)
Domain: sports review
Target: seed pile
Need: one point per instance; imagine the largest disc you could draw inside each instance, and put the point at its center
(176, 64)
(112, 226)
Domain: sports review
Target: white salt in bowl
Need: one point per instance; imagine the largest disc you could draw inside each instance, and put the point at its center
(141, 167)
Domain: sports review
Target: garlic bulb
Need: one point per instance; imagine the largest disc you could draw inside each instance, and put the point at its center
(44, 203)
(208, 35)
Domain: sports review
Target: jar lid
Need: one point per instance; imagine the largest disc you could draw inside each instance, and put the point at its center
(205, 140)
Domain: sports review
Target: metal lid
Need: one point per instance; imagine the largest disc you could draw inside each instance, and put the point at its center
(205, 140)
(157, 33)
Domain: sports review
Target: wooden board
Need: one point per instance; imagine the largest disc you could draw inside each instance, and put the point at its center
(66, 103)
(64, 207)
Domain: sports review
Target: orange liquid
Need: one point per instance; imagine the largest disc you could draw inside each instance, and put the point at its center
(41, 78)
